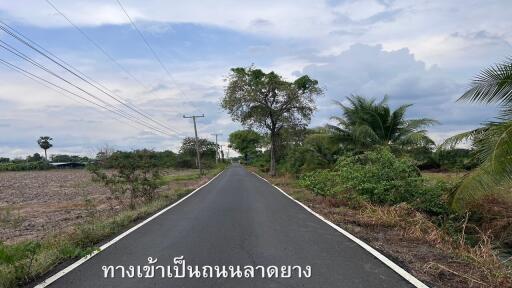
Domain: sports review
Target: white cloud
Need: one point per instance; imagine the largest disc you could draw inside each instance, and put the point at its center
(360, 9)
(373, 72)
(283, 18)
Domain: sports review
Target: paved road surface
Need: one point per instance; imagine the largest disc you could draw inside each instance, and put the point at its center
(238, 219)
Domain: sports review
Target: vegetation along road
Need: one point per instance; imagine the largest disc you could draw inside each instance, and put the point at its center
(236, 220)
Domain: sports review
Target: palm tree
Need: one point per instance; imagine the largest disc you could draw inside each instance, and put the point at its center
(366, 123)
(44, 143)
(492, 142)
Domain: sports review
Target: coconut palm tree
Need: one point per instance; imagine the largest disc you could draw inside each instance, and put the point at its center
(492, 142)
(366, 123)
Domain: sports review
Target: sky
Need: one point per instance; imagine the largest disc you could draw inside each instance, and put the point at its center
(416, 52)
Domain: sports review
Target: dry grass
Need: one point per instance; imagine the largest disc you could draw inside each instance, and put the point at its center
(413, 240)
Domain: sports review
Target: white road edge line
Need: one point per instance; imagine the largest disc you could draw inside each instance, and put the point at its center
(406, 275)
(106, 245)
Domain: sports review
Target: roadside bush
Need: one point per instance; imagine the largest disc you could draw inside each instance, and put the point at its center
(379, 177)
(321, 182)
(433, 197)
(135, 174)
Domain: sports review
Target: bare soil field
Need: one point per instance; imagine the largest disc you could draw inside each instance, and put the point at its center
(34, 204)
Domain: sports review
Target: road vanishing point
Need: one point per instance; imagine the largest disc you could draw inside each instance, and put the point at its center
(237, 219)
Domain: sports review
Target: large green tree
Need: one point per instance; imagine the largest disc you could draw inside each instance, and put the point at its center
(207, 149)
(366, 123)
(493, 141)
(45, 144)
(267, 102)
(246, 142)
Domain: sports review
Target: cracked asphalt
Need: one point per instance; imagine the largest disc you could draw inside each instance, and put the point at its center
(238, 219)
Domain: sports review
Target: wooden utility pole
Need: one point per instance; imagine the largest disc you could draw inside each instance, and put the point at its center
(216, 147)
(198, 159)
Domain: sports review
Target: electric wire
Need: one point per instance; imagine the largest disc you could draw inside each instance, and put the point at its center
(34, 76)
(42, 83)
(155, 55)
(81, 77)
(21, 55)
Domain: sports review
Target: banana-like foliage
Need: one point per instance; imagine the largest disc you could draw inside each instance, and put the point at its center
(493, 141)
(366, 123)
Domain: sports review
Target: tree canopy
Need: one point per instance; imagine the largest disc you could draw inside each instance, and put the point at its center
(206, 147)
(267, 102)
(246, 142)
(45, 144)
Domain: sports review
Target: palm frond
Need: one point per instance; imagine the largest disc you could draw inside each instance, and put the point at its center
(420, 123)
(455, 140)
(492, 85)
(418, 138)
(493, 146)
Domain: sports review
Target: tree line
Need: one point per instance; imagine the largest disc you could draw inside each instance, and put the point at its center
(276, 114)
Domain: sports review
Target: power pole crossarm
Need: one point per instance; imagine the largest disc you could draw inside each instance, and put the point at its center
(198, 154)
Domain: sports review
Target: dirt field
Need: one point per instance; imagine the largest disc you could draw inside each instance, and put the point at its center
(34, 204)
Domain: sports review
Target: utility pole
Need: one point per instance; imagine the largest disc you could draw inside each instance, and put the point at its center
(198, 159)
(216, 147)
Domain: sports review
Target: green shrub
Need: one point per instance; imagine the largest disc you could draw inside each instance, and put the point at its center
(432, 198)
(379, 177)
(320, 182)
(135, 174)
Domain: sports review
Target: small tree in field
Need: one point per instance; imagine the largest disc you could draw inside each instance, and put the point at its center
(267, 102)
(44, 143)
(135, 174)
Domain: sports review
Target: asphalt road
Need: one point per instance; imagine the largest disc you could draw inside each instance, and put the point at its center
(238, 219)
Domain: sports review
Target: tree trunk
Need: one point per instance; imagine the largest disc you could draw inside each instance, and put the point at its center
(45, 157)
(272, 154)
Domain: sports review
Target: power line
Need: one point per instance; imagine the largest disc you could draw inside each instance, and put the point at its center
(23, 56)
(88, 81)
(32, 76)
(98, 46)
(43, 83)
(155, 55)
(117, 110)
